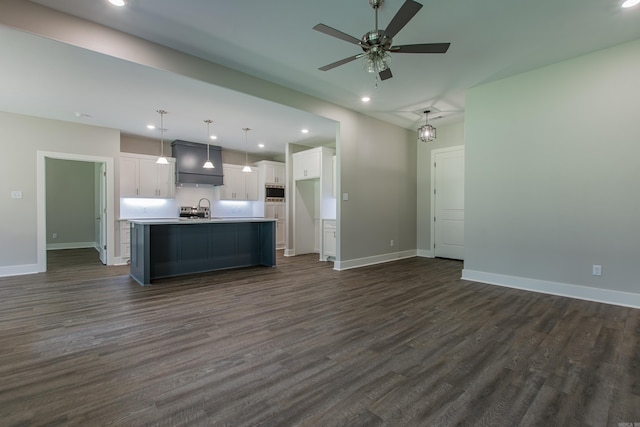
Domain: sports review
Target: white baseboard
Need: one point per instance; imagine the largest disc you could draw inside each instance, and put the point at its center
(118, 260)
(376, 259)
(72, 245)
(425, 253)
(17, 270)
(289, 252)
(607, 296)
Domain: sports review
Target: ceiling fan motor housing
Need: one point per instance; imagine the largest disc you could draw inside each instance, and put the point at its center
(376, 39)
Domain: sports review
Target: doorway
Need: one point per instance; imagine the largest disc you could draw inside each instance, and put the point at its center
(447, 202)
(97, 215)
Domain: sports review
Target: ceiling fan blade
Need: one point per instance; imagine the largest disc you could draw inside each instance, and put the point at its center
(421, 48)
(336, 33)
(385, 74)
(407, 11)
(341, 62)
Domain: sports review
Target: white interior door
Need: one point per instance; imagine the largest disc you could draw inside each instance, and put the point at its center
(448, 202)
(102, 215)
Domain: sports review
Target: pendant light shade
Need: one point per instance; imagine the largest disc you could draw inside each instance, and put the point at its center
(162, 160)
(426, 132)
(246, 167)
(208, 164)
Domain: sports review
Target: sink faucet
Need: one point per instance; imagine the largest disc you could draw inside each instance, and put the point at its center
(209, 210)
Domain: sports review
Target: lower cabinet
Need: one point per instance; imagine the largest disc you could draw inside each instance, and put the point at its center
(277, 211)
(125, 240)
(328, 239)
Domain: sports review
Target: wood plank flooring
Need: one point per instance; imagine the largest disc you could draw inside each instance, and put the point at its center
(406, 343)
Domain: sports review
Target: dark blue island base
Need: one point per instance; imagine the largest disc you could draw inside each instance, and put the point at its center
(167, 248)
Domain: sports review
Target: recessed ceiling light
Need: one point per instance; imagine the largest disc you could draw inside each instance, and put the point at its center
(261, 145)
(118, 3)
(151, 127)
(366, 99)
(630, 3)
(213, 137)
(305, 131)
(82, 115)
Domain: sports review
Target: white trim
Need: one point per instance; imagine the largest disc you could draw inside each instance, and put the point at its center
(17, 270)
(376, 259)
(425, 253)
(41, 202)
(432, 203)
(71, 245)
(119, 260)
(607, 296)
(289, 252)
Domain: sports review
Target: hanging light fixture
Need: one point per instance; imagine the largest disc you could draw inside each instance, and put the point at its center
(162, 160)
(246, 167)
(426, 132)
(208, 164)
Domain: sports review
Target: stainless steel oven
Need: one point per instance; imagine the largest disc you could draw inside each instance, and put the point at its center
(274, 193)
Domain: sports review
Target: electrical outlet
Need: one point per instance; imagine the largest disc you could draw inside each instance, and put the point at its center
(596, 270)
(391, 242)
(54, 235)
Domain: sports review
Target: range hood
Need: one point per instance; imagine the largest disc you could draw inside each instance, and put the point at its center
(190, 156)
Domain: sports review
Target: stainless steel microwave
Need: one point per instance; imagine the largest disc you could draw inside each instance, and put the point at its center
(274, 193)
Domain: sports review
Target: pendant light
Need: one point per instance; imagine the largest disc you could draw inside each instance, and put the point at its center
(208, 164)
(162, 160)
(426, 132)
(246, 167)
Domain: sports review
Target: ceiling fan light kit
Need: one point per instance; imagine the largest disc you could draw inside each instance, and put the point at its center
(377, 44)
(426, 132)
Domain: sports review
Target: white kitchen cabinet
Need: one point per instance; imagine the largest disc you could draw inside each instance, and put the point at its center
(239, 185)
(277, 211)
(125, 239)
(306, 164)
(273, 172)
(141, 176)
(328, 239)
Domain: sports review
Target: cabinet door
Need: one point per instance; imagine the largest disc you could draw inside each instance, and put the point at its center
(147, 177)
(251, 184)
(269, 210)
(233, 188)
(280, 235)
(276, 174)
(128, 177)
(279, 211)
(165, 175)
(329, 242)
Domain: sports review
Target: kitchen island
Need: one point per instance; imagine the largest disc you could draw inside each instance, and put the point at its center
(174, 247)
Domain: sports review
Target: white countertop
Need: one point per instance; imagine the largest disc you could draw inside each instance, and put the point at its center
(199, 221)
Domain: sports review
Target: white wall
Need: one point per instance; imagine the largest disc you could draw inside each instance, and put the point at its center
(449, 135)
(552, 178)
(23, 137)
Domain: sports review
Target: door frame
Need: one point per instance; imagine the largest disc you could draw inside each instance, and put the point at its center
(434, 152)
(41, 201)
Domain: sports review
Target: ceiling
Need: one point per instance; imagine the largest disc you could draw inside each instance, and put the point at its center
(491, 39)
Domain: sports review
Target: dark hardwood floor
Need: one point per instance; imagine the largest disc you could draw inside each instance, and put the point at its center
(403, 343)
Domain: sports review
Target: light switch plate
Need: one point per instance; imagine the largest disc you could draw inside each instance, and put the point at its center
(16, 194)
(345, 196)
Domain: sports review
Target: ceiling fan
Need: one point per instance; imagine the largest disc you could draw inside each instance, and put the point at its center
(377, 44)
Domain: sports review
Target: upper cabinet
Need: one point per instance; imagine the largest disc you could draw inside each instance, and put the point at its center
(306, 164)
(274, 172)
(141, 176)
(239, 185)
